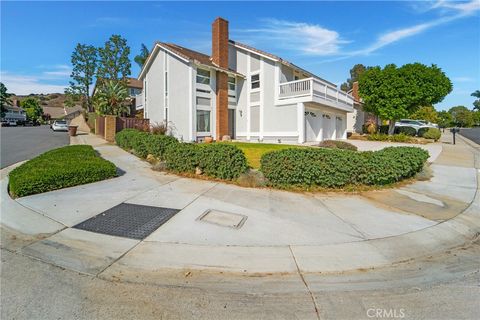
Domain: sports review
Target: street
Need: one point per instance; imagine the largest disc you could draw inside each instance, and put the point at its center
(23, 143)
(471, 133)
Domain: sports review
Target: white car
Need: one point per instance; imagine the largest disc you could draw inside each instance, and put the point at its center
(60, 125)
(417, 124)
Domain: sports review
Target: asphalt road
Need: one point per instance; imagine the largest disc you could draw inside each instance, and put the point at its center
(472, 134)
(23, 143)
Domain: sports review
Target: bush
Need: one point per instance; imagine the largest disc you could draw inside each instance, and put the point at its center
(91, 116)
(182, 157)
(60, 168)
(224, 161)
(432, 133)
(383, 129)
(330, 168)
(422, 131)
(409, 131)
(378, 137)
(401, 137)
(337, 144)
(143, 143)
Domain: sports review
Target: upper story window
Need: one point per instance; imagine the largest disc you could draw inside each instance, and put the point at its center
(255, 81)
(203, 76)
(231, 83)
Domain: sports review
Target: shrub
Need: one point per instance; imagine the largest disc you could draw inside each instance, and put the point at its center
(224, 161)
(383, 129)
(157, 145)
(337, 144)
(410, 131)
(432, 133)
(60, 168)
(378, 137)
(124, 138)
(182, 157)
(370, 127)
(332, 168)
(422, 131)
(401, 137)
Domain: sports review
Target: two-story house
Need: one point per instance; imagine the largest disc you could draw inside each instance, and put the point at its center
(241, 92)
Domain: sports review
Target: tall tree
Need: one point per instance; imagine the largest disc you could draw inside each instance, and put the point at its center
(394, 93)
(32, 108)
(355, 73)
(114, 63)
(71, 97)
(84, 62)
(476, 103)
(444, 119)
(142, 57)
(4, 98)
(427, 113)
(462, 116)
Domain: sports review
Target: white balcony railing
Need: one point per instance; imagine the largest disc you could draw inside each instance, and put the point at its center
(139, 101)
(314, 88)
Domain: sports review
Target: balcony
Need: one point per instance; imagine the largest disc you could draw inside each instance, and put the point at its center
(139, 101)
(314, 90)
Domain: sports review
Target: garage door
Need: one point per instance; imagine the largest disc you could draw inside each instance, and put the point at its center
(313, 124)
(328, 126)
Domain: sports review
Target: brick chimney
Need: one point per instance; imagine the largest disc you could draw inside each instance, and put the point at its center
(220, 58)
(355, 95)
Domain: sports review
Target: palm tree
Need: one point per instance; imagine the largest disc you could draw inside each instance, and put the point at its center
(142, 57)
(476, 103)
(112, 98)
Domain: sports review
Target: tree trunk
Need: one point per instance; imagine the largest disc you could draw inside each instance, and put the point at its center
(391, 127)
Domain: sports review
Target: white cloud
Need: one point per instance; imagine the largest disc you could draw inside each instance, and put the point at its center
(460, 6)
(24, 85)
(296, 36)
(58, 71)
(462, 79)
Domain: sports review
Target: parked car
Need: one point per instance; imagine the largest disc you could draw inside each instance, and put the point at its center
(12, 123)
(416, 124)
(59, 125)
(428, 124)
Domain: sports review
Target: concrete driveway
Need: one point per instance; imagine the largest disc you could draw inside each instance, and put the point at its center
(23, 143)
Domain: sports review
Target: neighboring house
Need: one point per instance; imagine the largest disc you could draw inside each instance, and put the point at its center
(241, 92)
(14, 114)
(358, 117)
(134, 87)
(62, 113)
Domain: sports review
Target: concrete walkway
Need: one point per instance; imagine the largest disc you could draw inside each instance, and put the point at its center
(283, 233)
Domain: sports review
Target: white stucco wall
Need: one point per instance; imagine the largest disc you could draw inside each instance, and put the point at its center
(154, 89)
(178, 96)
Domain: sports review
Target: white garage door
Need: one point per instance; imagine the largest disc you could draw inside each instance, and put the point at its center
(339, 127)
(313, 124)
(328, 126)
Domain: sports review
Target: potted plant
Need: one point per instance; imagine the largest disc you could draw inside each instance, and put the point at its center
(208, 139)
(72, 130)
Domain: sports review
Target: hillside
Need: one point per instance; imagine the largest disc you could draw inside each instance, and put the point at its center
(55, 100)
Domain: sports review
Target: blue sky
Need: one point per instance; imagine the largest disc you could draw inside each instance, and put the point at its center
(326, 38)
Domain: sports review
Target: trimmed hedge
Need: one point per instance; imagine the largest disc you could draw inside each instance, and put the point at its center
(430, 133)
(60, 168)
(223, 161)
(143, 143)
(337, 144)
(409, 131)
(333, 168)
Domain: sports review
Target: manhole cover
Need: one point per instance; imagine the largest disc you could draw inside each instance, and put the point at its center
(224, 219)
(128, 220)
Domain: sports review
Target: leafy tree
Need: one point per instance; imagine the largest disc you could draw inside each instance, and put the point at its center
(476, 103)
(355, 73)
(4, 98)
(114, 63)
(476, 117)
(71, 97)
(111, 99)
(32, 109)
(142, 57)
(444, 119)
(461, 116)
(394, 93)
(84, 62)
(427, 113)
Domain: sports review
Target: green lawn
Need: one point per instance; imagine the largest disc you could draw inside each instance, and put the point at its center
(60, 168)
(254, 151)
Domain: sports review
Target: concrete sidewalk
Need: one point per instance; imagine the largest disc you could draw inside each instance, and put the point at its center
(283, 233)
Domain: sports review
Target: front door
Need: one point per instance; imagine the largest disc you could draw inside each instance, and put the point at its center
(231, 123)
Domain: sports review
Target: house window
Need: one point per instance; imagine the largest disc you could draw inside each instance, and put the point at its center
(231, 83)
(201, 101)
(255, 81)
(203, 76)
(203, 121)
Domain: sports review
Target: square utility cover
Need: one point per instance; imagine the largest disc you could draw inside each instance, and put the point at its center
(224, 219)
(128, 220)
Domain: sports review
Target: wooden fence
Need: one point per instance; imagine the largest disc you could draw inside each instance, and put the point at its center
(132, 123)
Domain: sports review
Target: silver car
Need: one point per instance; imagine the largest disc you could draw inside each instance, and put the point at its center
(60, 125)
